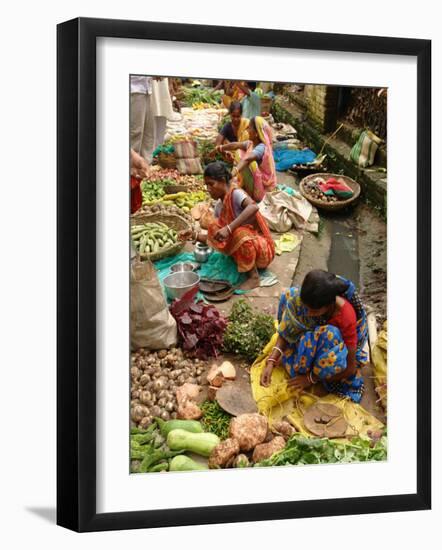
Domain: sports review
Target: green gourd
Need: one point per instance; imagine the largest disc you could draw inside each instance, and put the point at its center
(182, 463)
(199, 443)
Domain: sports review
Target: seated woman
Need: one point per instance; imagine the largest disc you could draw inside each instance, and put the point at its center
(322, 333)
(236, 129)
(238, 229)
(255, 166)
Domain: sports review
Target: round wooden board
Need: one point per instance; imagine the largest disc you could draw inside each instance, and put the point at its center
(236, 398)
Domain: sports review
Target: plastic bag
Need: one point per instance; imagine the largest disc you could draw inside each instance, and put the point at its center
(152, 325)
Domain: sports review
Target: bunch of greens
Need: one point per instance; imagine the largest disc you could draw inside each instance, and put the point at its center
(247, 332)
(201, 95)
(302, 450)
(215, 419)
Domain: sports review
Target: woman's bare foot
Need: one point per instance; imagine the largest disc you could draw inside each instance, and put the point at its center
(252, 280)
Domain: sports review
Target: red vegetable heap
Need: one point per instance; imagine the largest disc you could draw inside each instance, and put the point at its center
(200, 326)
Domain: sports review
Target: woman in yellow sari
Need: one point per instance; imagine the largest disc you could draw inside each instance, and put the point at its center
(236, 129)
(255, 166)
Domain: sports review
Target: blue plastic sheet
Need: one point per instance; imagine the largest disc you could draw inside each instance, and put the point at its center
(285, 158)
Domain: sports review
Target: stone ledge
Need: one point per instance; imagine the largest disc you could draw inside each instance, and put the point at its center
(373, 183)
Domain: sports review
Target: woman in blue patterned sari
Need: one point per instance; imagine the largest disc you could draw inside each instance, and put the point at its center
(322, 333)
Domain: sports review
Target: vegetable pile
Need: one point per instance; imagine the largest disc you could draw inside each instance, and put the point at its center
(184, 201)
(153, 190)
(162, 446)
(215, 419)
(152, 237)
(155, 377)
(302, 450)
(247, 332)
(201, 95)
(173, 177)
(200, 326)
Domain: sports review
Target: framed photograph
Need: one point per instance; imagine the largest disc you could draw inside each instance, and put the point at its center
(227, 265)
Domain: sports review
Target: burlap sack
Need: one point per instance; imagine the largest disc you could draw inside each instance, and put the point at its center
(151, 324)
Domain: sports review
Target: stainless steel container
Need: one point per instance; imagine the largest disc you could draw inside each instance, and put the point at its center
(202, 252)
(177, 284)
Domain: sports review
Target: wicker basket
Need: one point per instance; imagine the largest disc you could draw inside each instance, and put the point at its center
(331, 206)
(171, 189)
(167, 160)
(266, 104)
(173, 221)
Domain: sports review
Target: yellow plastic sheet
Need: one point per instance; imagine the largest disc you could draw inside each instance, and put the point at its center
(379, 360)
(278, 401)
(286, 243)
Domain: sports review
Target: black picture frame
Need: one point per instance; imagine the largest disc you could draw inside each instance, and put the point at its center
(76, 273)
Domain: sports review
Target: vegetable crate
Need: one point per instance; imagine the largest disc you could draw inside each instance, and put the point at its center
(166, 160)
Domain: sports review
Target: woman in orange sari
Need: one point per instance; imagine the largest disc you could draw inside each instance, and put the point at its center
(237, 228)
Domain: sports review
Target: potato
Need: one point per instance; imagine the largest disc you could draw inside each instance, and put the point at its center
(223, 453)
(266, 450)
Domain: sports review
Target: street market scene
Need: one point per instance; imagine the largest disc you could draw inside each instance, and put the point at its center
(258, 274)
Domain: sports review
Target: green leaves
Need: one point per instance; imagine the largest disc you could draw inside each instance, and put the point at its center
(301, 450)
(247, 332)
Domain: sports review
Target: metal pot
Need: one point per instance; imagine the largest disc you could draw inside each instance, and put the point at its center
(177, 284)
(202, 252)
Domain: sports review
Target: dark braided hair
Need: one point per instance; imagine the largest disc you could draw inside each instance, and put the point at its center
(218, 170)
(320, 288)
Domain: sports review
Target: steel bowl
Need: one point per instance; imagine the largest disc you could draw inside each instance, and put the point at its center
(184, 266)
(177, 284)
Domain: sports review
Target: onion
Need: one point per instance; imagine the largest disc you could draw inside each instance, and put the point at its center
(144, 379)
(135, 373)
(199, 371)
(135, 394)
(181, 379)
(146, 397)
(162, 402)
(174, 415)
(138, 412)
(170, 406)
(158, 385)
(165, 415)
(145, 421)
(155, 410)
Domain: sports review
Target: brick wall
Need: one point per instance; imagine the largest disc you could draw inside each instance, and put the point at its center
(322, 106)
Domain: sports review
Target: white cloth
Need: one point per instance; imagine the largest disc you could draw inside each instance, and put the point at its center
(161, 101)
(142, 125)
(140, 84)
(282, 211)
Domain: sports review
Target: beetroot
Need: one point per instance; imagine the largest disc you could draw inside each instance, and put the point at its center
(200, 326)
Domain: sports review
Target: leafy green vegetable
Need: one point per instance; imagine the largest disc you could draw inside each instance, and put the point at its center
(247, 332)
(215, 419)
(302, 450)
(201, 95)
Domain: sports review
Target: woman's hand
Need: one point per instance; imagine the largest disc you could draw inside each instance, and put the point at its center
(300, 382)
(219, 148)
(185, 235)
(222, 234)
(266, 375)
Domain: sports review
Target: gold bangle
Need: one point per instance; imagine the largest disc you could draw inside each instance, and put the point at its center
(278, 349)
(228, 227)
